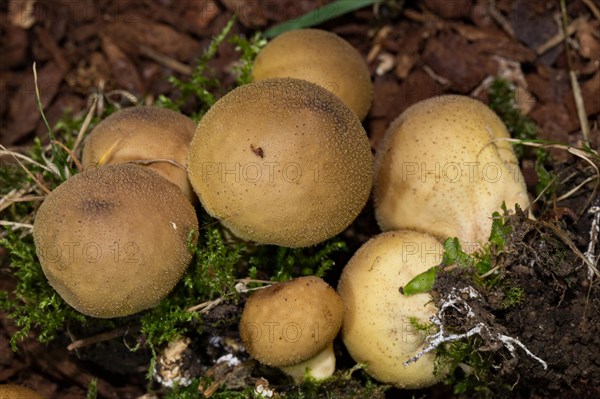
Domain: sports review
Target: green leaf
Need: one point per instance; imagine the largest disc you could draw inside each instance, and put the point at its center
(453, 254)
(318, 16)
(421, 282)
(483, 266)
(500, 229)
(547, 181)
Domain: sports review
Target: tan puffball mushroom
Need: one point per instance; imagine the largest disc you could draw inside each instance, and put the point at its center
(291, 325)
(149, 134)
(438, 170)
(377, 330)
(320, 57)
(11, 391)
(113, 241)
(281, 161)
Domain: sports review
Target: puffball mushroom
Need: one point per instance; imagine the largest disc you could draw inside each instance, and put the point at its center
(291, 325)
(11, 391)
(281, 161)
(438, 170)
(320, 57)
(377, 328)
(155, 135)
(113, 241)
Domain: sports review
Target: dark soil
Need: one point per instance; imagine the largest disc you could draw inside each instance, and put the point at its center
(557, 318)
(415, 50)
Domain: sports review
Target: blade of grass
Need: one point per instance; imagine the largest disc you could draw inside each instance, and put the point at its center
(318, 16)
(55, 154)
(581, 114)
(39, 102)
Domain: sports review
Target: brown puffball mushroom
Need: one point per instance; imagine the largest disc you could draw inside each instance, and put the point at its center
(377, 330)
(438, 170)
(113, 241)
(281, 161)
(320, 57)
(149, 134)
(291, 325)
(11, 391)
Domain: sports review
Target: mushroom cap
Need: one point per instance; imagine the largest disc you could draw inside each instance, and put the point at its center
(320, 57)
(439, 171)
(113, 241)
(141, 134)
(281, 161)
(377, 329)
(11, 391)
(290, 322)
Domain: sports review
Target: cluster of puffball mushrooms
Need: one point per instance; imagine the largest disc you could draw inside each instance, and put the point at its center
(284, 161)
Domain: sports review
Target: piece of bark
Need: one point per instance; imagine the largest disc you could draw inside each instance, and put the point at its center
(554, 125)
(590, 92)
(124, 72)
(56, 53)
(160, 37)
(23, 112)
(13, 47)
(548, 85)
(454, 9)
(249, 12)
(451, 57)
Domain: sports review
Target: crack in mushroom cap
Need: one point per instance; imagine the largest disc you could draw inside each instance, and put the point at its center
(438, 170)
(113, 241)
(141, 134)
(290, 322)
(281, 161)
(320, 57)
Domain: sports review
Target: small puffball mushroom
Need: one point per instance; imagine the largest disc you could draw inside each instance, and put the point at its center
(281, 161)
(113, 241)
(155, 135)
(320, 57)
(291, 325)
(377, 330)
(438, 170)
(11, 391)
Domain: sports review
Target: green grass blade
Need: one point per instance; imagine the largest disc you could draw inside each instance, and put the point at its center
(55, 152)
(318, 16)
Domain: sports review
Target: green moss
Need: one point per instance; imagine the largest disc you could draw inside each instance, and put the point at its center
(34, 304)
(470, 368)
(513, 296)
(282, 264)
(424, 328)
(92, 392)
(203, 88)
(248, 49)
(503, 100)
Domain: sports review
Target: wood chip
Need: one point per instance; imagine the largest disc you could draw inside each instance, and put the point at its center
(20, 13)
(404, 64)
(386, 64)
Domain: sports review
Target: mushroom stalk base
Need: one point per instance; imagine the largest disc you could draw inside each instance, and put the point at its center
(318, 367)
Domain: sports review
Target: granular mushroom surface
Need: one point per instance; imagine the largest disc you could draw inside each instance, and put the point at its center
(281, 161)
(113, 241)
